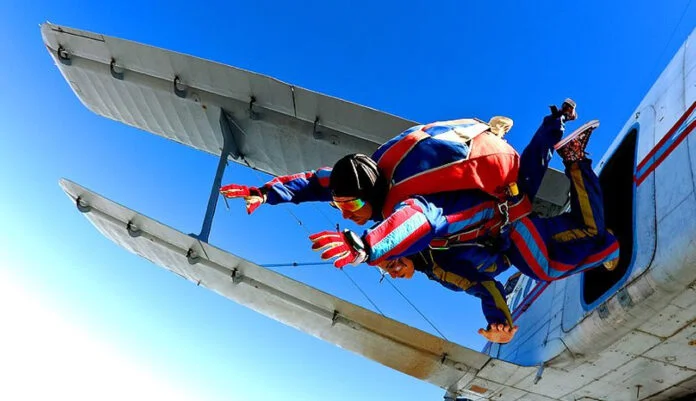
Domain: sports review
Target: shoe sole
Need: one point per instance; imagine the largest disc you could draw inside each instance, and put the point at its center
(589, 125)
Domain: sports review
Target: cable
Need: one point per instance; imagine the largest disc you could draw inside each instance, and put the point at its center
(396, 289)
(674, 31)
(344, 272)
(295, 264)
(353, 281)
(308, 232)
(363, 292)
(416, 309)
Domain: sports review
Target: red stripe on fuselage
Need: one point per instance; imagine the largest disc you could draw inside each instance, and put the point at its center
(669, 150)
(529, 299)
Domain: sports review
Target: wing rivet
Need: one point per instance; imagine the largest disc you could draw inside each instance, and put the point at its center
(133, 230)
(315, 130)
(236, 276)
(192, 257)
(116, 71)
(63, 55)
(82, 206)
(253, 115)
(179, 88)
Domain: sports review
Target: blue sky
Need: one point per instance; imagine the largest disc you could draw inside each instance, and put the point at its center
(87, 311)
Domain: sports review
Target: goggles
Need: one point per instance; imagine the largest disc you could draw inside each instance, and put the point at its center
(352, 205)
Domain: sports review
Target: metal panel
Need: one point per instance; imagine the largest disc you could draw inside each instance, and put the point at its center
(596, 367)
(689, 96)
(673, 181)
(678, 350)
(573, 311)
(621, 384)
(343, 116)
(668, 321)
(532, 344)
(381, 339)
(623, 351)
(505, 373)
(554, 383)
(510, 394)
(687, 299)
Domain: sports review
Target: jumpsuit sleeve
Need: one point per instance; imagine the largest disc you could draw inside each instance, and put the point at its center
(297, 188)
(537, 154)
(495, 309)
(414, 223)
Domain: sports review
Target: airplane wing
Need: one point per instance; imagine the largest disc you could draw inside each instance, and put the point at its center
(450, 366)
(283, 128)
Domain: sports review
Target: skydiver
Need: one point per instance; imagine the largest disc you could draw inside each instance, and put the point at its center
(545, 249)
(406, 221)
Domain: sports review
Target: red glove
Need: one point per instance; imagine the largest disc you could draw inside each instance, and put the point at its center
(346, 247)
(253, 196)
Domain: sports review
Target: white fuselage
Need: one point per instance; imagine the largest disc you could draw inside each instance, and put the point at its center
(605, 328)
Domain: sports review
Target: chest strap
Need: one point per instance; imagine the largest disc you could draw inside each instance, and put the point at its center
(506, 213)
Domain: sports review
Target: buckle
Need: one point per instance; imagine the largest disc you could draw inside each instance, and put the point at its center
(504, 209)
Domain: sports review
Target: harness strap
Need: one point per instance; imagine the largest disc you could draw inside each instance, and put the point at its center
(505, 214)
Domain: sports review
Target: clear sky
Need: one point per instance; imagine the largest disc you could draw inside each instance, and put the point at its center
(81, 318)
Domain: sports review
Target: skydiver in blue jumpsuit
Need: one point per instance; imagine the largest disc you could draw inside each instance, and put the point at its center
(354, 187)
(544, 249)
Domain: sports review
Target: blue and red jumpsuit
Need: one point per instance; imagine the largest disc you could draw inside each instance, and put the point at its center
(545, 249)
(553, 248)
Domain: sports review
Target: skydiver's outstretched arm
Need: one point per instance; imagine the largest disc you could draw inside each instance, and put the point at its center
(309, 186)
(296, 188)
(414, 223)
(500, 326)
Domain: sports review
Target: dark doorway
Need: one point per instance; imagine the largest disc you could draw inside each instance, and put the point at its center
(618, 185)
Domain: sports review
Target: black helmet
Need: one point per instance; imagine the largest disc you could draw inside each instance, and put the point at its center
(354, 175)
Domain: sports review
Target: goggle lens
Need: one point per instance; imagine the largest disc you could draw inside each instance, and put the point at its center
(348, 206)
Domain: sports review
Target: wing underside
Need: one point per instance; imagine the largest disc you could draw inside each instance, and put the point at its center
(278, 128)
(450, 366)
(283, 128)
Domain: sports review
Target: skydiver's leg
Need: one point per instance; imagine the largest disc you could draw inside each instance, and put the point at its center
(575, 241)
(537, 255)
(536, 156)
(586, 203)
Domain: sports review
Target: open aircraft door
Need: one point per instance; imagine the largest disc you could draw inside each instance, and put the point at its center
(629, 213)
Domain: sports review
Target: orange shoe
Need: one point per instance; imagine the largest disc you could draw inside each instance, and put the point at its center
(572, 147)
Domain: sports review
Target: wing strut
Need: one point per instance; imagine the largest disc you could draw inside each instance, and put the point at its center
(229, 129)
